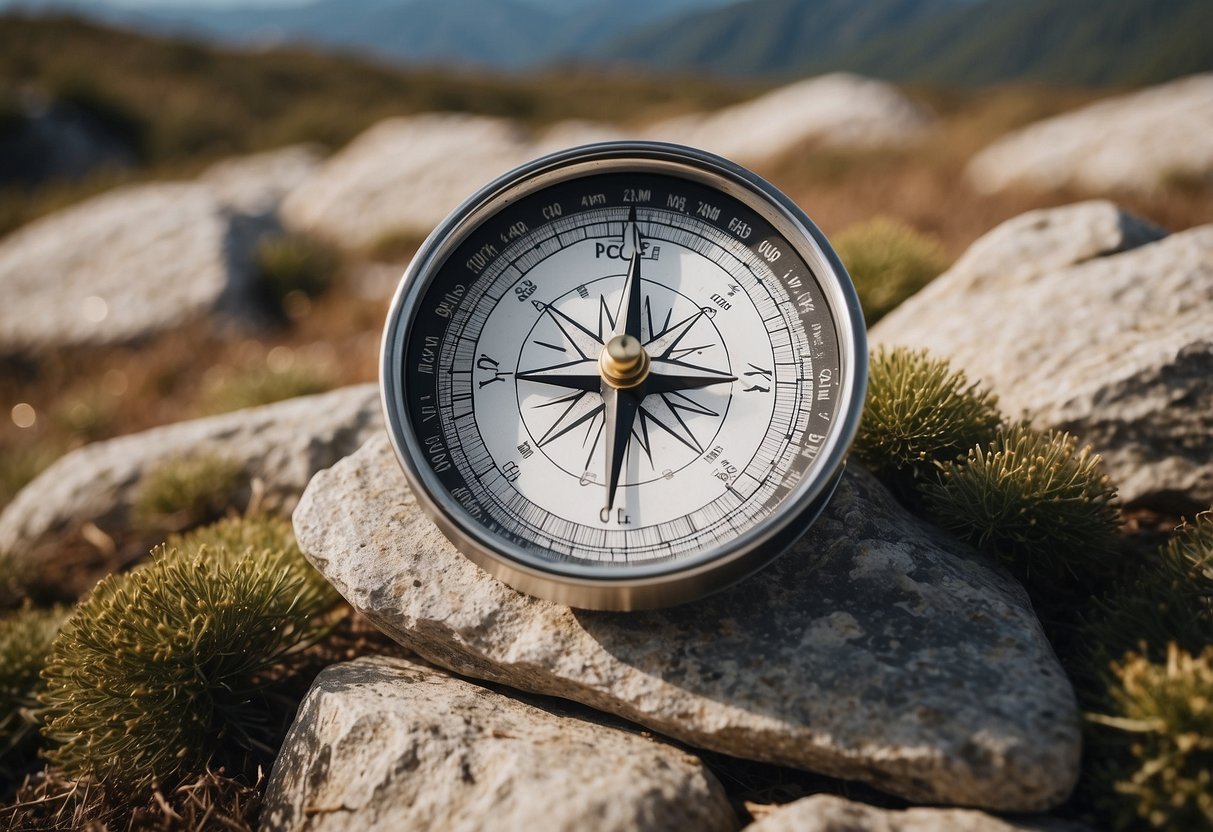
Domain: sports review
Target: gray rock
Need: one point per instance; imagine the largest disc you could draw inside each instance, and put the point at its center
(878, 649)
(386, 744)
(1131, 142)
(280, 444)
(256, 184)
(827, 813)
(836, 110)
(124, 265)
(1116, 348)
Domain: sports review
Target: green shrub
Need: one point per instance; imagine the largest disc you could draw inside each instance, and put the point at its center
(1162, 715)
(259, 386)
(179, 666)
(14, 578)
(1034, 500)
(888, 261)
(19, 466)
(919, 413)
(292, 263)
(186, 492)
(25, 642)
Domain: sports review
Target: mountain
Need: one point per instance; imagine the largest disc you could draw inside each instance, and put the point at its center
(1082, 42)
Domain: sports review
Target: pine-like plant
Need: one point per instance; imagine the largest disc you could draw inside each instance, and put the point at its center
(181, 664)
(1164, 778)
(186, 492)
(1036, 501)
(25, 642)
(888, 261)
(920, 413)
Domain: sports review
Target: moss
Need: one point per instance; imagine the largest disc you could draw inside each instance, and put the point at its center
(1162, 716)
(1036, 501)
(292, 263)
(260, 386)
(25, 642)
(178, 667)
(888, 261)
(186, 492)
(919, 413)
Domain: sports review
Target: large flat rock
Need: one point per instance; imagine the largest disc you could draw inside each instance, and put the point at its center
(1130, 142)
(280, 444)
(827, 813)
(878, 649)
(1102, 333)
(386, 744)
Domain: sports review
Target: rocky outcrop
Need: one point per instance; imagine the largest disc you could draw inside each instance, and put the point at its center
(1076, 320)
(384, 743)
(1131, 142)
(837, 110)
(256, 184)
(877, 649)
(827, 813)
(280, 444)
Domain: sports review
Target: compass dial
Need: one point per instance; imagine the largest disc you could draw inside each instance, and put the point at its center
(624, 375)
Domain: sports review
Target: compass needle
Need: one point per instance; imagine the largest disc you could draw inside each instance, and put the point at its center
(624, 375)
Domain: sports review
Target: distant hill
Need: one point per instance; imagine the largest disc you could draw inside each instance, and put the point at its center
(952, 42)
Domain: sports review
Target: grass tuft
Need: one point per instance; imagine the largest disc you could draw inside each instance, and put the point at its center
(919, 413)
(260, 386)
(293, 263)
(25, 642)
(1034, 500)
(177, 667)
(888, 261)
(186, 492)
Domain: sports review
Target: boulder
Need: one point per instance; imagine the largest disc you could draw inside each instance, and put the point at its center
(403, 176)
(1069, 328)
(384, 743)
(124, 265)
(256, 184)
(281, 444)
(877, 649)
(827, 813)
(1131, 142)
(836, 110)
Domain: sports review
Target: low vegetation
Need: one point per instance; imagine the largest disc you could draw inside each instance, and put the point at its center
(888, 261)
(261, 385)
(186, 492)
(25, 642)
(290, 265)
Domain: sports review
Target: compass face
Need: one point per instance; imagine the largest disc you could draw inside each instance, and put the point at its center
(624, 375)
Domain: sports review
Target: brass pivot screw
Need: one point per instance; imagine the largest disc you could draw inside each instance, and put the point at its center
(623, 362)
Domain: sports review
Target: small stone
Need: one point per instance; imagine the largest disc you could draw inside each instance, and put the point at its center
(877, 649)
(1078, 321)
(827, 813)
(384, 743)
(1136, 142)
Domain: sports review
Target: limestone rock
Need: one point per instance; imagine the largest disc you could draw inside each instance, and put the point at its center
(827, 813)
(123, 265)
(1131, 142)
(282, 444)
(1116, 348)
(877, 649)
(838, 110)
(404, 175)
(256, 184)
(386, 744)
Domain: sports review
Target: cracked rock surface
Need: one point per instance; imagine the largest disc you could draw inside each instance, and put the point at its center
(877, 649)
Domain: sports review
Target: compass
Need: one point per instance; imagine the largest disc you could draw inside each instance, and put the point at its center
(624, 375)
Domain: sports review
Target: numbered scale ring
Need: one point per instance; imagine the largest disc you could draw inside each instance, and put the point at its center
(624, 375)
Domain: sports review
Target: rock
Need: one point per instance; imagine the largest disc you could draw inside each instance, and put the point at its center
(124, 265)
(404, 175)
(1114, 346)
(1131, 142)
(282, 444)
(837, 110)
(256, 184)
(878, 649)
(384, 743)
(574, 133)
(827, 813)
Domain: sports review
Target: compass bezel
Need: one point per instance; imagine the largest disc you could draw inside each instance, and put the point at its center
(633, 586)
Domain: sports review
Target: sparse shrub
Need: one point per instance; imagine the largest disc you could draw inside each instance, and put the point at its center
(255, 387)
(25, 642)
(180, 665)
(292, 263)
(888, 261)
(186, 492)
(14, 578)
(1036, 501)
(919, 413)
(399, 245)
(1162, 718)
(19, 466)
